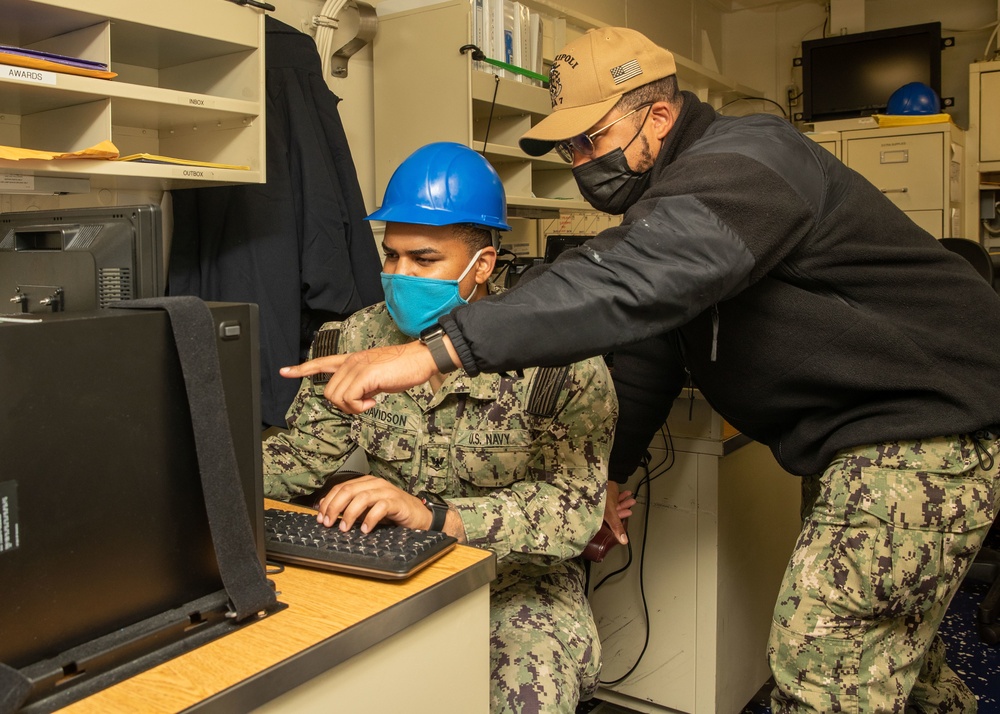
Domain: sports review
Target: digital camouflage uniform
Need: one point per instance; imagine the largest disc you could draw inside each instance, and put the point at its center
(530, 488)
(884, 546)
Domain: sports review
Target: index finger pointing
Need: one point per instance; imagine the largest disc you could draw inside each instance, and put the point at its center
(319, 365)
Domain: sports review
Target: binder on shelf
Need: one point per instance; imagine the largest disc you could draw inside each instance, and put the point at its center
(496, 51)
(156, 159)
(480, 31)
(535, 42)
(53, 57)
(511, 35)
(522, 34)
(50, 62)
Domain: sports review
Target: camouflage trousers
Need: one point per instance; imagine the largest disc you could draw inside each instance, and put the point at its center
(545, 653)
(893, 530)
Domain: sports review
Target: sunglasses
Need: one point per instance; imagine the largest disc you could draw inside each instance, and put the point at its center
(583, 144)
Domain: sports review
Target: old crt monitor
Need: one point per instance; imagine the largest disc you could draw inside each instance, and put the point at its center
(79, 258)
(103, 523)
(850, 76)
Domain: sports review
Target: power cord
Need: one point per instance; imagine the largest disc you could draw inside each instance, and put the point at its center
(650, 475)
(503, 265)
(326, 24)
(754, 99)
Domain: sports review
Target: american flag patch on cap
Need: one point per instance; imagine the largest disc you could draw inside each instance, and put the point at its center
(625, 72)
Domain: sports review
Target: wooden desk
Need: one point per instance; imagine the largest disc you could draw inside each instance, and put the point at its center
(342, 640)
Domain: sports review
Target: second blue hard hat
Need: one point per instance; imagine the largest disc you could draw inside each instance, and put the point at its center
(442, 184)
(914, 98)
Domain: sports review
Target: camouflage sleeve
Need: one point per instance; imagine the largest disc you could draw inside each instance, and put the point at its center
(316, 445)
(552, 513)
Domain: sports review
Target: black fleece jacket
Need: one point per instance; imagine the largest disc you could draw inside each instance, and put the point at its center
(811, 312)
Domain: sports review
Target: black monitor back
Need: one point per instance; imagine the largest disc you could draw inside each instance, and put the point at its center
(102, 515)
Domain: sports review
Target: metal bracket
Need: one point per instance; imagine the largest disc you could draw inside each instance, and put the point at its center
(367, 27)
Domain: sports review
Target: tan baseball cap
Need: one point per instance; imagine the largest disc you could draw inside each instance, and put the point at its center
(588, 77)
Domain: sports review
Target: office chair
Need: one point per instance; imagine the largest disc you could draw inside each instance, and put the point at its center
(974, 252)
(986, 567)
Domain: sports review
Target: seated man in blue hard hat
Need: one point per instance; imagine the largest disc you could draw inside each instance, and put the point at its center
(514, 464)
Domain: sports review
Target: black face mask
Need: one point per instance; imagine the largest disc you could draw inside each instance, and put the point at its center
(608, 184)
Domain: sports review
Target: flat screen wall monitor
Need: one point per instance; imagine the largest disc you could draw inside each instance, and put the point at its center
(849, 76)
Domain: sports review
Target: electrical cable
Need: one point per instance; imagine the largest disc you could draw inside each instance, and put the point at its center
(642, 587)
(669, 457)
(651, 474)
(987, 223)
(503, 265)
(986, 50)
(758, 99)
(326, 23)
(489, 120)
(990, 229)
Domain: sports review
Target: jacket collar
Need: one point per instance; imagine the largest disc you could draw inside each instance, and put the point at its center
(692, 123)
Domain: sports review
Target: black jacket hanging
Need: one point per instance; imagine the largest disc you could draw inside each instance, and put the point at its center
(297, 246)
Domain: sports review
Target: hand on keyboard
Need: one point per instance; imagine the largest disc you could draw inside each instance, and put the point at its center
(370, 499)
(386, 551)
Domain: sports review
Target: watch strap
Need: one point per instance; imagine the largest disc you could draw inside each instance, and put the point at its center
(435, 343)
(438, 509)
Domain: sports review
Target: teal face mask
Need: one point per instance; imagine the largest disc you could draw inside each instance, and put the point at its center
(416, 303)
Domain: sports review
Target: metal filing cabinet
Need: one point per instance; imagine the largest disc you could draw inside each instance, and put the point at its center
(989, 93)
(919, 168)
(982, 196)
(829, 140)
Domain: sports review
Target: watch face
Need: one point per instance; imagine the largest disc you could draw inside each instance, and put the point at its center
(433, 499)
(431, 332)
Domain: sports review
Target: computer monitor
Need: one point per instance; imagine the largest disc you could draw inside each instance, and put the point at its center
(557, 243)
(849, 76)
(107, 562)
(79, 258)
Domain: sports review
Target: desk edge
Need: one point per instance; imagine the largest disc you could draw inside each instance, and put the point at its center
(323, 656)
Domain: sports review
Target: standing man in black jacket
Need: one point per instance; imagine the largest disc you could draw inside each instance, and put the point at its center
(814, 316)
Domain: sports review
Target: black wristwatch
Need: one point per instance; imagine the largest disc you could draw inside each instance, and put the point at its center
(438, 508)
(433, 337)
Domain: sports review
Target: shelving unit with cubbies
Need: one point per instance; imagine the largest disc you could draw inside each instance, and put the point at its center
(426, 90)
(189, 85)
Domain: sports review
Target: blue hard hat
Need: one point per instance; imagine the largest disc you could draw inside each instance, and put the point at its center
(442, 184)
(914, 98)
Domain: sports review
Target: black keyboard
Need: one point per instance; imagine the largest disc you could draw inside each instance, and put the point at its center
(387, 552)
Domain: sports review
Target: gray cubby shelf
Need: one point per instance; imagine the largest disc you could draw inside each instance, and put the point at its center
(189, 85)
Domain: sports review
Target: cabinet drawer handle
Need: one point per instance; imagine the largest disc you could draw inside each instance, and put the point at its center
(895, 190)
(895, 156)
